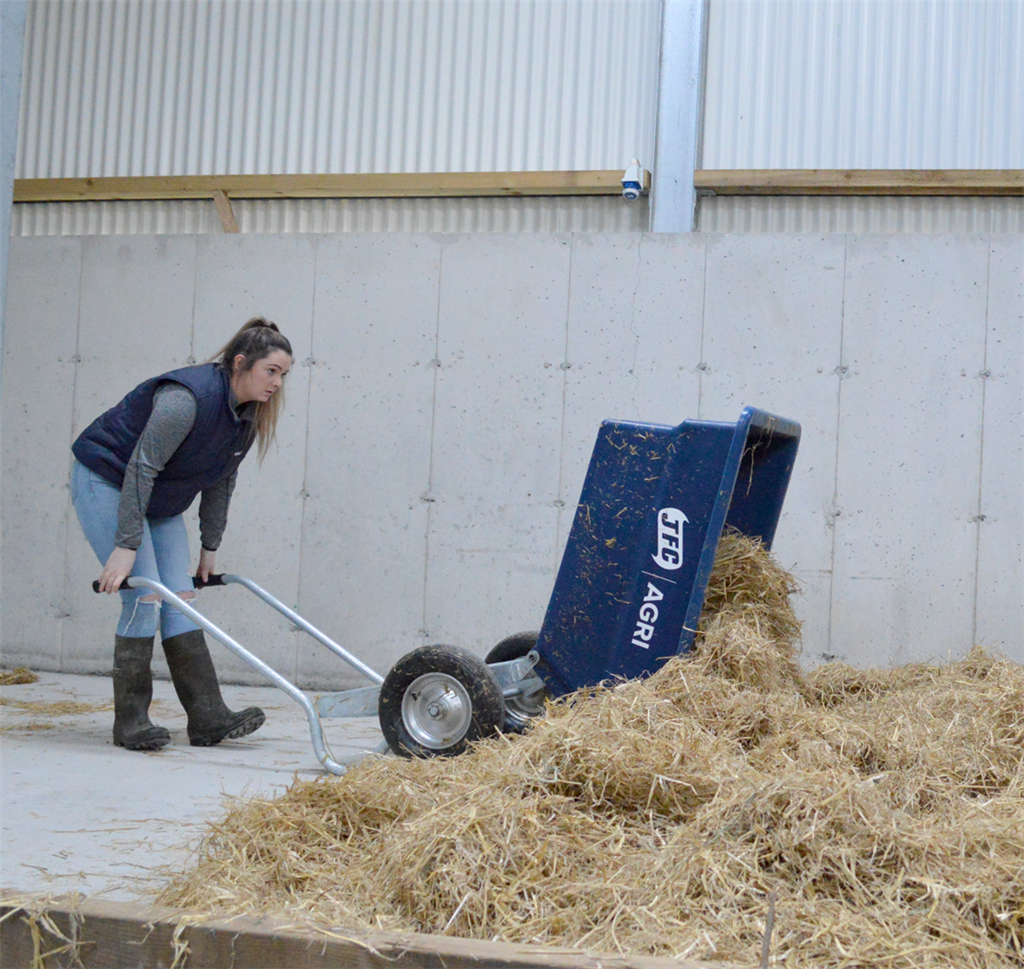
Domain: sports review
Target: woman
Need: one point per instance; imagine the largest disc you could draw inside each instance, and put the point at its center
(138, 467)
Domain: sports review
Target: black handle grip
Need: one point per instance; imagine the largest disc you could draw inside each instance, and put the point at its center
(212, 580)
(197, 583)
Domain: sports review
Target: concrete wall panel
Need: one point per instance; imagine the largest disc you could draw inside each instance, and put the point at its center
(364, 535)
(444, 403)
(773, 339)
(240, 277)
(135, 320)
(39, 380)
(495, 449)
(909, 448)
(1000, 611)
(635, 325)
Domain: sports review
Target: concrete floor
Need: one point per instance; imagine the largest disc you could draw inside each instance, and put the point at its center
(81, 815)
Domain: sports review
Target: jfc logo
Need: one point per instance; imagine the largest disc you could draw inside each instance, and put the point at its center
(670, 539)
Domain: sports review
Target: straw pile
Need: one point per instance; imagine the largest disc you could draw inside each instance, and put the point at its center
(47, 710)
(879, 813)
(20, 674)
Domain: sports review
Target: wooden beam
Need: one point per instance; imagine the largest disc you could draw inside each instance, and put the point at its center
(412, 185)
(863, 181)
(99, 934)
(227, 216)
(982, 182)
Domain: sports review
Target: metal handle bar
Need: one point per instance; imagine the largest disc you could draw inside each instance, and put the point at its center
(353, 661)
(197, 583)
(226, 579)
(316, 731)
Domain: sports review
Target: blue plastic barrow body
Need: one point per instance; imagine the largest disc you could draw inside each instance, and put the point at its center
(655, 500)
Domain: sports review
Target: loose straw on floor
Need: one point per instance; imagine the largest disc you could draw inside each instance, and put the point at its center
(881, 810)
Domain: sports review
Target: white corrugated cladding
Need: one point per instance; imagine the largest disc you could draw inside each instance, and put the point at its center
(865, 84)
(340, 86)
(570, 214)
(808, 213)
(210, 87)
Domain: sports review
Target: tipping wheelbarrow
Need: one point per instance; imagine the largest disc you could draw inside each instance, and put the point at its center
(627, 597)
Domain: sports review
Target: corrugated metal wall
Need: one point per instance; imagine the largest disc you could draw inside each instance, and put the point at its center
(602, 214)
(207, 87)
(570, 214)
(865, 84)
(210, 87)
(753, 213)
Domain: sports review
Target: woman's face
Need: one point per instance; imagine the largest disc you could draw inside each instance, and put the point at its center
(264, 379)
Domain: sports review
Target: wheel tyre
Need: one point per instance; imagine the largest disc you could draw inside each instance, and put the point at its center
(437, 700)
(513, 647)
(519, 711)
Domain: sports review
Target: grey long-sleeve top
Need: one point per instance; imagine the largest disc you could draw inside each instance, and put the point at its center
(172, 417)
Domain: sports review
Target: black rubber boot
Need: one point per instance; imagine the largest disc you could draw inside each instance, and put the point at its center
(133, 692)
(195, 680)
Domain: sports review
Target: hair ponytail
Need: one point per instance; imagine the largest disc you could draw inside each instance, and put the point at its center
(257, 339)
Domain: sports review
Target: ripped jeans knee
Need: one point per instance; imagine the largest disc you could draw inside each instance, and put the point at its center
(153, 597)
(173, 621)
(162, 556)
(143, 615)
(139, 615)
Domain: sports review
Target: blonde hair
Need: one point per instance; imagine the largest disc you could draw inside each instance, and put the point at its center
(257, 339)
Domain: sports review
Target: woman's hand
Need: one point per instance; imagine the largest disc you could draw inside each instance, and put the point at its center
(206, 560)
(117, 569)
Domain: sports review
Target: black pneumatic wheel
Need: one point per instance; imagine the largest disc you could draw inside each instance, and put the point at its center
(520, 710)
(437, 700)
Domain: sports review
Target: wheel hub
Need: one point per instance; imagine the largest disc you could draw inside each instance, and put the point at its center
(437, 710)
(526, 707)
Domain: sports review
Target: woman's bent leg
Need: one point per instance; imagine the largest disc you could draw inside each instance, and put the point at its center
(188, 658)
(169, 539)
(195, 681)
(95, 502)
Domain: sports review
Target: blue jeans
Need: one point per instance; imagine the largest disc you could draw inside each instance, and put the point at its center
(163, 555)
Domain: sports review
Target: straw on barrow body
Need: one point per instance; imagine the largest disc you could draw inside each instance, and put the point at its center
(882, 810)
